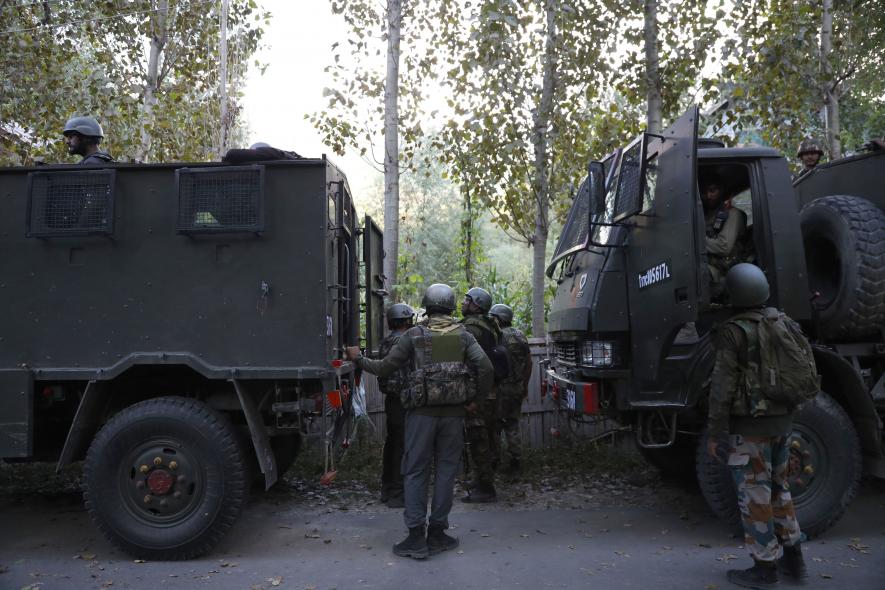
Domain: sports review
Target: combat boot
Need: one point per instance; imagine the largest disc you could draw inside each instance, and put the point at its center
(792, 564)
(414, 546)
(763, 574)
(396, 501)
(438, 541)
(481, 494)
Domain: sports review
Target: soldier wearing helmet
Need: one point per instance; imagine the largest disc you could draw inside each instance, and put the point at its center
(513, 388)
(751, 433)
(83, 135)
(809, 152)
(449, 373)
(400, 317)
(481, 425)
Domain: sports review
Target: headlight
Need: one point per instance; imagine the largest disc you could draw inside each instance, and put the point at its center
(599, 353)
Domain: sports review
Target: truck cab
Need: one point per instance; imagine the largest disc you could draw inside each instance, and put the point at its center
(632, 322)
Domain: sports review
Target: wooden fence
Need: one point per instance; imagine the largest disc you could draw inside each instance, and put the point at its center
(540, 425)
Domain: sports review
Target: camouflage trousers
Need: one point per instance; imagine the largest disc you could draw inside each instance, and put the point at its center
(509, 412)
(483, 446)
(759, 467)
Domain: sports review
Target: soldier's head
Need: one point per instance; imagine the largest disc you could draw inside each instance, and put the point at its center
(82, 135)
(712, 193)
(503, 314)
(477, 301)
(747, 285)
(438, 299)
(809, 152)
(400, 316)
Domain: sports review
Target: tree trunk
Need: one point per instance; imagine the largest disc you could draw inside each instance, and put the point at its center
(158, 43)
(224, 123)
(391, 144)
(541, 122)
(468, 236)
(652, 71)
(829, 88)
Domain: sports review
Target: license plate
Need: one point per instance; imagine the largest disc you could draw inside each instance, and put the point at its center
(570, 397)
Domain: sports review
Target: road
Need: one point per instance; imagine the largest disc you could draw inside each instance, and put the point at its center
(604, 537)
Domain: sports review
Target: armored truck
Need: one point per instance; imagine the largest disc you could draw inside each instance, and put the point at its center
(180, 328)
(630, 329)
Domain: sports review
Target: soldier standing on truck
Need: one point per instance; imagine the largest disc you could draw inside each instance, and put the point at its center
(450, 375)
(83, 135)
(400, 317)
(752, 431)
(481, 426)
(513, 388)
(809, 153)
(724, 225)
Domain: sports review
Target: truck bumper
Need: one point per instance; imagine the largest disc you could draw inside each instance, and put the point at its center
(580, 397)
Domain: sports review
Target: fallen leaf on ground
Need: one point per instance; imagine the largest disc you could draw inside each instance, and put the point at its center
(540, 531)
(711, 587)
(524, 536)
(314, 534)
(726, 557)
(138, 561)
(3, 569)
(826, 576)
(276, 580)
(843, 564)
(705, 545)
(817, 559)
(485, 535)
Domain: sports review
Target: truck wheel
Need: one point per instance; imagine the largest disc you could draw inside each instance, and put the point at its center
(825, 469)
(844, 240)
(676, 461)
(164, 479)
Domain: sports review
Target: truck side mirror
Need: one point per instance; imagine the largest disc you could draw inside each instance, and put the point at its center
(596, 178)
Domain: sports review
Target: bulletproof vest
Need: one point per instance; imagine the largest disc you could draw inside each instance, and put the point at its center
(97, 158)
(394, 383)
(440, 376)
(518, 352)
(488, 335)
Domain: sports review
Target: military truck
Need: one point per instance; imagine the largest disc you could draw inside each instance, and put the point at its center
(179, 328)
(630, 326)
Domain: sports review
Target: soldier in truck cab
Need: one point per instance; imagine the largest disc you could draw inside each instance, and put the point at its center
(724, 226)
(83, 135)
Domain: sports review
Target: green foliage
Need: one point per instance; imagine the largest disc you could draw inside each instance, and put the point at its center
(64, 58)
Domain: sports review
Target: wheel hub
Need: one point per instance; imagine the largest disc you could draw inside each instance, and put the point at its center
(160, 482)
(803, 464)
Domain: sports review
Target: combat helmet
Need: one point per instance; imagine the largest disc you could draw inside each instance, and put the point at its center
(439, 296)
(747, 285)
(86, 126)
(481, 297)
(399, 311)
(809, 146)
(503, 312)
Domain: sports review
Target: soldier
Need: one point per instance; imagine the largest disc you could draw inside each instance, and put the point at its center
(752, 433)
(449, 377)
(400, 317)
(481, 426)
(513, 388)
(83, 134)
(809, 153)
(724, 225)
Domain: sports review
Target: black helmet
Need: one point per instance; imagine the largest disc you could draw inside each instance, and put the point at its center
(399, 311)
(747, 285)
(439, 296)
(84, 126)
(809, 146)
(503, 312)
(481, 297)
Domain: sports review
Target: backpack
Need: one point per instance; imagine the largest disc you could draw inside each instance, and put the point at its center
(779, 361)
(496, 352)
(440, 376)
(518, 354)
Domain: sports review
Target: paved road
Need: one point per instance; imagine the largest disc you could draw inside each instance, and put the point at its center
(571, 544)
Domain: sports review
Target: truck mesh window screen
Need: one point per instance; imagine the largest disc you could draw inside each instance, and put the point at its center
(221, 199)
(71, 203)
(628, 198)
(577, 227)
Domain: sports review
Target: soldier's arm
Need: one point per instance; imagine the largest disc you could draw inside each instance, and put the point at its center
(397, 358)
(485, 373)
(724, 386)
(723, 243)
(527, 366)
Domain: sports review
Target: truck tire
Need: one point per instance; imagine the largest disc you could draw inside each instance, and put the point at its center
(825, 440)
(844, 240)
(677, 460)
(165, 479)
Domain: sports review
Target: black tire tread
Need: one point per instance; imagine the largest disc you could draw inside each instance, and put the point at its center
(207, 420)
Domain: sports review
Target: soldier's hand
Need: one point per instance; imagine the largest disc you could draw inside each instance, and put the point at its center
(352, 353)
(471, 408)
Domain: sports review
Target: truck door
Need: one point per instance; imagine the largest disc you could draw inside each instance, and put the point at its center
(657, 200)
(373, 260)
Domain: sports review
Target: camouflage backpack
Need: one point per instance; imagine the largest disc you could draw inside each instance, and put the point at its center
(518, 354)
(440, 376)
(779, 363)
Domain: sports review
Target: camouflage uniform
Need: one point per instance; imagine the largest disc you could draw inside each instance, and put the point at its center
(512, 390)
(758, 454)
(391, 473)
(724, 227)
(481, 427)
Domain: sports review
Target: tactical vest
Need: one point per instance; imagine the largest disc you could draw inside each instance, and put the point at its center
(778, 372)
(439, 376)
